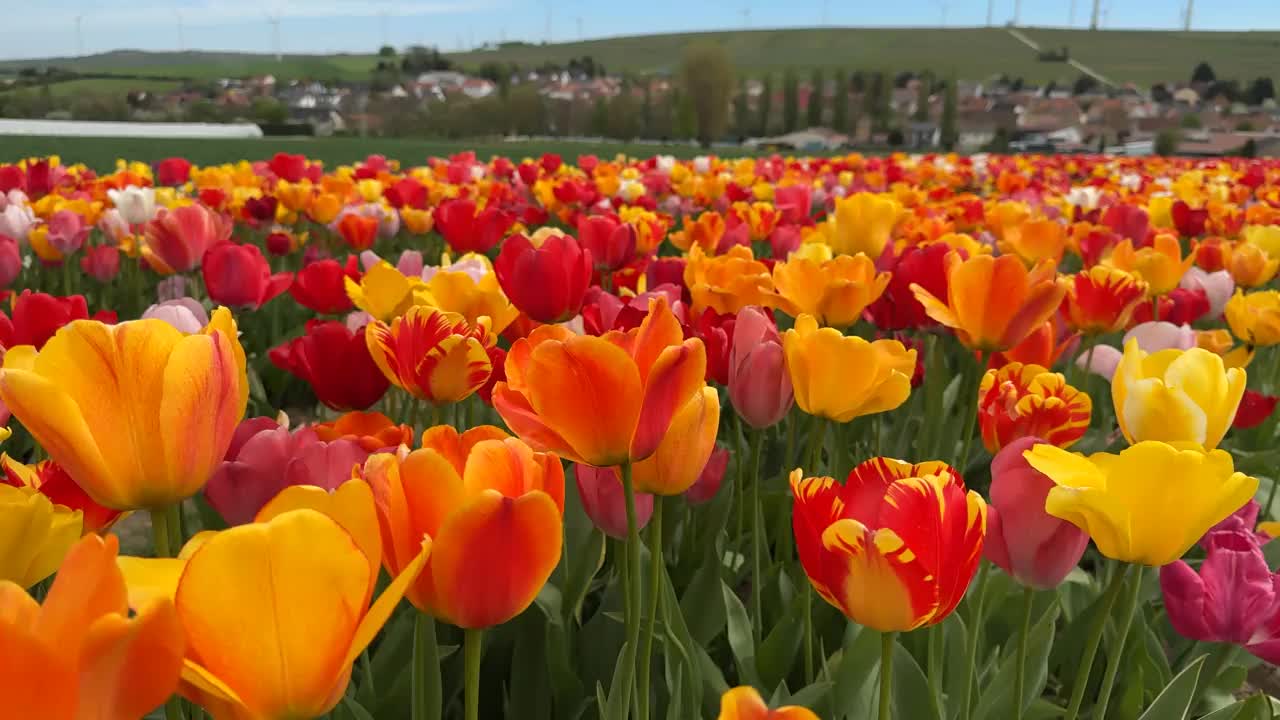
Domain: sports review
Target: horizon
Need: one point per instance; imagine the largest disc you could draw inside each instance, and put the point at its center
(360, 28)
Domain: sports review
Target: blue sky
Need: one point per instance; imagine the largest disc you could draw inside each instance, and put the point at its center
(48, 28)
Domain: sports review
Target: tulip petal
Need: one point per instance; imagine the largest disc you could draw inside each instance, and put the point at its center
(493, 555)
(1156, 411)
(382, 608)
(676, 375)
(88, 586)
(17, 608)
(872, 591)
(150, 578)
(202, 384)
(129, 666)
(743, 703)
(270, 609)
(36, 680)
(676, 464)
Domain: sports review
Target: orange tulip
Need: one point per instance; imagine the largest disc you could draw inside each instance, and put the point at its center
(81, 656)
(744, 703)
(494, 520)
(359, 231)
(994, 302)
(277, 611)
(704, 232)
(1160, 265)
(1035, 240)
(433, 355)
(601, 401)
(729, 282)
(684, 450)
(373, 431)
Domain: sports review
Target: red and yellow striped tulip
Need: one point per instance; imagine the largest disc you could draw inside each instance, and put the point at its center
(433, 355)
(1102, 299)
(1017, 401)
(895, 546)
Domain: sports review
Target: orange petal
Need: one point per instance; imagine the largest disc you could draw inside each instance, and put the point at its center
(17, 608)
(493, 556)
(685, 449)
(445, 440)
(202, 399)
(88, 586)
(513, 469)
(270, 609)
(743, 703)
(129, 666)
(658, 331)
(676, 375)
(525, 422)
(36, 679)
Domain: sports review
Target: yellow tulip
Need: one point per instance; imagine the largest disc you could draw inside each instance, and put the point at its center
(1255, 318)
(1265, 237)
(138, 414)
(385, 293)
(835, 292)
(1160, 265)
(35, 534)
(276, 612)
(1251, 266)
(1175, 395)
(863, 223)
(841, 378)
(1150, 503)
(456, 291)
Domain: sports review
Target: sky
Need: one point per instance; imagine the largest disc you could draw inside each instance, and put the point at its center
(44, 29)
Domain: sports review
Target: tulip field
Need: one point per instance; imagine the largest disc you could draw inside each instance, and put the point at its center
(921, 437)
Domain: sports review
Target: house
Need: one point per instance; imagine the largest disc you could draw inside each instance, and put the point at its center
(977, 127)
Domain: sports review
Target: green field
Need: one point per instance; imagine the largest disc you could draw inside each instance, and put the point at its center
(101, 153)
(1141, 57)
(113, 86)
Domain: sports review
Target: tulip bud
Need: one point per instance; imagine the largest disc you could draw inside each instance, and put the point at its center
(101, 262)
(708, 483)
(605, 503)
(759, 385)
(1037, 549)
(10, 261)
(185, 314)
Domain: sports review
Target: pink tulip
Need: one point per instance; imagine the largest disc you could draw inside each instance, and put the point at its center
(1152, 337)
(67, 231)
(1035, 548)
(259, 466)
(1218, 287)
(1229, 598)
(10, 261)
(177, 239)
(101, 262)
(604, 502)
(759, 385)
(1243, 520)
(712, 477)
(184, 314)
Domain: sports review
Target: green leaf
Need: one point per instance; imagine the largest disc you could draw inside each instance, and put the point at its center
(529, 686)
(566, 686)
(1174, 702)
(356, 709)
(701, 605)
(910, 688)
(811, 696)
(740, 640)
(855, 677)
(623, 676)
(777, 654)
(584, 565)
(996, 700)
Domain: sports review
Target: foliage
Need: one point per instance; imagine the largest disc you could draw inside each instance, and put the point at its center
(706, 74)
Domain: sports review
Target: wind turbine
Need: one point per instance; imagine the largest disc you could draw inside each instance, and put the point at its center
(182, 45)
(1017, 12)
(942, 8)
(1093, 21)
(991, 7)
(826, 12)
(274, 21)
(1071, 16)
(79, 37)
(580, 35)
(746, 16)
(1186, 16)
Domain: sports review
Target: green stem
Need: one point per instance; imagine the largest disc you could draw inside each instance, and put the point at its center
(937, 642)
(1094, 639)
(633, 589)
(815, 446)
(427, 687)
(886, 675)
(971, 420)
(933, 387)
(1155, 307)
(757, 613)
(655, 579)
(1271, 496)
(162, 537)
(975, 630)
(1020, 680)
(1113, 667)
(808, 634)
(473, 648)
(1221, 657)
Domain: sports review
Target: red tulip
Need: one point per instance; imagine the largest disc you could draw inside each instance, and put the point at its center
(795, 202)
(177, 239)
(1190, 223)
(261, 209)
(320, 285)
(1180, 306)
(611, 242)
(407, 192)
(528, 173)
(602, 311)
(1035, 548)
(898, 308)
(759, 385)
(1129, 221)
(173, 171)
(239, 276)
(467, 230)
(547, 281)
(288, 167)
(716, 332)
(711, 478)
(10, 261)
(665, 271)
(37, 316)
(1254, 409)
(101, 262)
(279, 244)
(600, 490)
(336, 363)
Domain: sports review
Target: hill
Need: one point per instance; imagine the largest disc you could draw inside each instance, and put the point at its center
(1141, 57)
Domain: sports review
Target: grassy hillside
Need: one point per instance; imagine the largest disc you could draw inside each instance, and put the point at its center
(969, 53)
(101, 153)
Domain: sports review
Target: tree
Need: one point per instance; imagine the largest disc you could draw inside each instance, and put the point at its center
(269, 110)
(1191, 121)
(817, 92)
(1161, 94)
(922, 99)
(1167, 142)
(1084, 84)
(766, 106)
(686, 120)
(1260, 90)
(386, 51)
(858, 82)
(526, 113)
(790, 101)
(879, 101)
(949, 132)
(1249, 149)
(623, 117)
(1203, 73)
(600, 117)
(646, 110)
(840, 103)
(707, 76)
(741, 111)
